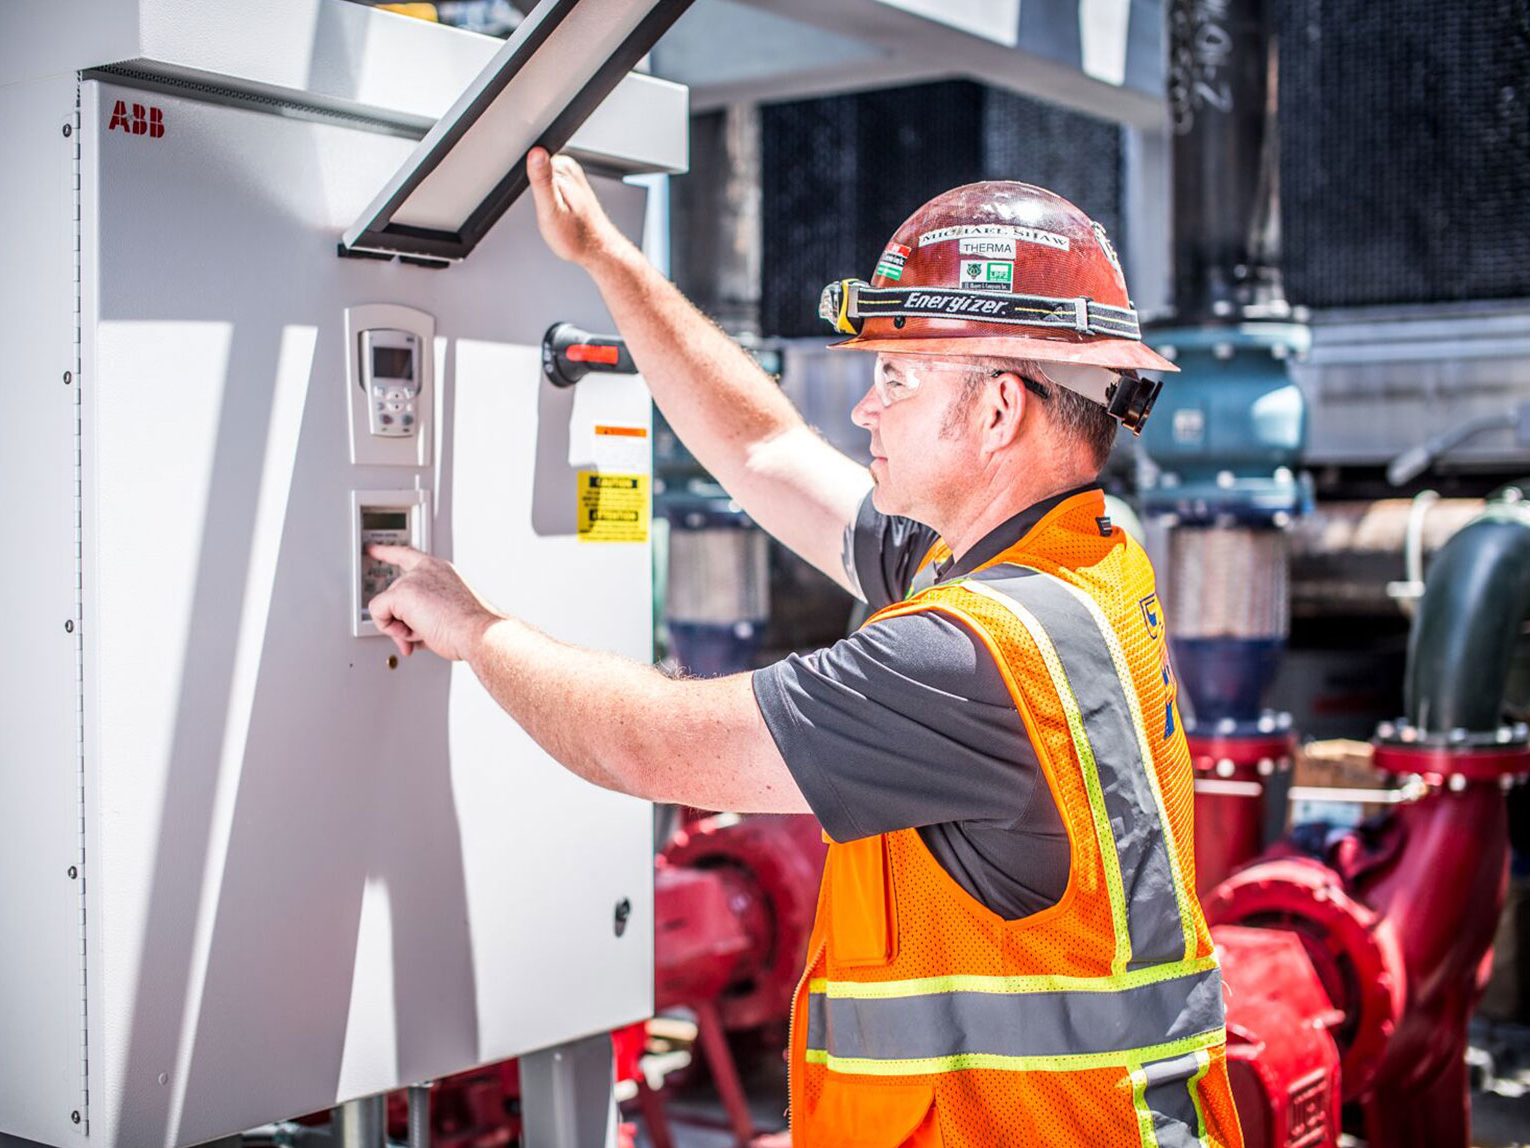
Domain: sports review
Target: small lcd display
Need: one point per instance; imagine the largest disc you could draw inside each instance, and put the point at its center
(384, 520)
(393, 362)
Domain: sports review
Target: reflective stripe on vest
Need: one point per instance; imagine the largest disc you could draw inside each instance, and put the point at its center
(1006, 1023)
(1168, 1101)
(1084, 658)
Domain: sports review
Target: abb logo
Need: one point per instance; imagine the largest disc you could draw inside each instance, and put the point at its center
(137, 120)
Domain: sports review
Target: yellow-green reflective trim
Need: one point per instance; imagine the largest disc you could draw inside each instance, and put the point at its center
(1130, 1059)
(1204, 1059)
(1145, 1131)
(1134, 705)
(1105, 840)
(1045, 983)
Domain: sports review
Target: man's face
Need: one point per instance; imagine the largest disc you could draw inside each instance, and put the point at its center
(921, 452)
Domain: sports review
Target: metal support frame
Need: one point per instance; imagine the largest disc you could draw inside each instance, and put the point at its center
(361, 1123)
(567, 1099)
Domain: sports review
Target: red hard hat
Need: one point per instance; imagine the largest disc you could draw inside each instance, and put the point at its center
(996, 268)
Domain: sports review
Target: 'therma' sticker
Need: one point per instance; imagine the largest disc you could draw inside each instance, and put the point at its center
(986, 275)
(988, 248)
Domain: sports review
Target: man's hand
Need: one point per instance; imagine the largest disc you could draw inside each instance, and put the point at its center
(430, 605)
(572, 222)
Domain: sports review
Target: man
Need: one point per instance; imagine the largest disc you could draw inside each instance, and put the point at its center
(1008, 947)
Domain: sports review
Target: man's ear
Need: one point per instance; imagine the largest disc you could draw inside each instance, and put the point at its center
(1004, 410)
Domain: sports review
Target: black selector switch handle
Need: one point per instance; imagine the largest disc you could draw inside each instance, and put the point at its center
(569, 353)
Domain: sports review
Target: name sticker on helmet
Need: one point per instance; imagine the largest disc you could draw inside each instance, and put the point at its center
(996, 231)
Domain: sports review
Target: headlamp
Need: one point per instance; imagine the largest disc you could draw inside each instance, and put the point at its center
(836, 306)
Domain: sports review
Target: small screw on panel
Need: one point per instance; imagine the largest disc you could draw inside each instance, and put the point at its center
(623, 911)
(69, 131)
(68, 377)
(73, 872)
(69, 626)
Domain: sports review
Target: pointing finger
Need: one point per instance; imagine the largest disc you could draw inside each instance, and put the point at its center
(406, 558)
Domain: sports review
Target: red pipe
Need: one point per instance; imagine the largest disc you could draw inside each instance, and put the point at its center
(1397, 920)
(1440, 897)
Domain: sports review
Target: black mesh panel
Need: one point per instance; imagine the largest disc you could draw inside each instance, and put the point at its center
(841, 173)
(1405, 150)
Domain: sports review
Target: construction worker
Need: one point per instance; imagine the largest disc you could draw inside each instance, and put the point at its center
(1008, 947)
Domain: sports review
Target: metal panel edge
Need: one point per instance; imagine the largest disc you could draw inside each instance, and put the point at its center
(42, 1059)
(87, 316)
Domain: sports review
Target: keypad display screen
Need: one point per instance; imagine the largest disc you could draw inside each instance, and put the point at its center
(393, 362)
(384, 520)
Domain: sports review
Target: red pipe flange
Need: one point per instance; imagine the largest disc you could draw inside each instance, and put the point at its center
(1475, 764)
(778, 859)
(1353, 952)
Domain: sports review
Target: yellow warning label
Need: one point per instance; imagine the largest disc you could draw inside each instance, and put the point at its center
(613, 507)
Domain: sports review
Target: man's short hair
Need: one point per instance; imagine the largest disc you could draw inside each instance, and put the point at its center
(1078, 419)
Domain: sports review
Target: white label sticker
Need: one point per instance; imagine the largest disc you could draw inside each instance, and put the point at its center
(986, 275)
(996, 231)
(988, 248)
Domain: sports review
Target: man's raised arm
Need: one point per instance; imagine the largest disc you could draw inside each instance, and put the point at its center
(727, 411)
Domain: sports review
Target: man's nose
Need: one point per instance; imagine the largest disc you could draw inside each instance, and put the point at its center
(867, 410)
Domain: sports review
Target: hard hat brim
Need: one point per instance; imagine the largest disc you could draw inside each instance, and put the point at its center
(1120, 354)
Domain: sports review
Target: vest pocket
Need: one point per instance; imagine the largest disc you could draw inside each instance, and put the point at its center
(863, 916)
(853, 1114)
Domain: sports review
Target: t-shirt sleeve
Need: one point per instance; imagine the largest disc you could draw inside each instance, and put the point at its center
(883, 552)
(904, 724)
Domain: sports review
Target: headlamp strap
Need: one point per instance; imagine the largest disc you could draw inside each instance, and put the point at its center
(849, 302)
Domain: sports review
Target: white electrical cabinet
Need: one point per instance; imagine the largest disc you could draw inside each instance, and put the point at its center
(251, 864)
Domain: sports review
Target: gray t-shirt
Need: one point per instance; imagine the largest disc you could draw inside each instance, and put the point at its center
(907, 724)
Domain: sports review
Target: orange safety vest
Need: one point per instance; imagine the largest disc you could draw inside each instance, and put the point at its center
(925, 1019)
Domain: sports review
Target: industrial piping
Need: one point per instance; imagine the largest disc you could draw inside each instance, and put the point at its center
(1477, 595)
(1397, 916)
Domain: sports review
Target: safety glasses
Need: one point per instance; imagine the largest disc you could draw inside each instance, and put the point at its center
(899, 378)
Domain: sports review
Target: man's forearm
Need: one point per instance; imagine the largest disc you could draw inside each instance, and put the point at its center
(625, 726)
(577, 704)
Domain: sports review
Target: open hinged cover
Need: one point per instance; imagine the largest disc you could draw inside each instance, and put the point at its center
(564, 59)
